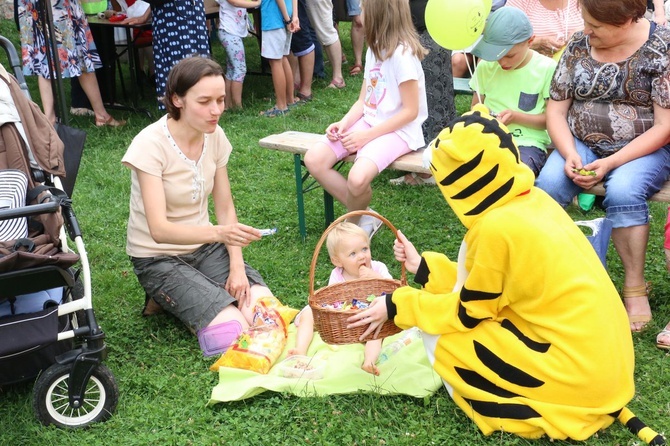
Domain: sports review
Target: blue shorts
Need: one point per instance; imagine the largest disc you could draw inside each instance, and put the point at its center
(302, 42)
(353, 7)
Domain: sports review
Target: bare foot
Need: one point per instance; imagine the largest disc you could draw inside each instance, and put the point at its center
(370, 368)
(295, 352)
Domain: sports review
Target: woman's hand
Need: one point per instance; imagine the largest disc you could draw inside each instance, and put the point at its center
(405, 251)
(375, 316)
(238, 234)
(238, 286)
(599, 167)
(548, 45)
(144, 18)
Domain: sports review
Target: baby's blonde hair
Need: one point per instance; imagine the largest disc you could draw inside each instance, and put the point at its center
(342, 231)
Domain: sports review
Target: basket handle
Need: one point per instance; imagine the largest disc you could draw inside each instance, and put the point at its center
(317, 249)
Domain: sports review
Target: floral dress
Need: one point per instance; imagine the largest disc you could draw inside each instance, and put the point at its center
(77, 52)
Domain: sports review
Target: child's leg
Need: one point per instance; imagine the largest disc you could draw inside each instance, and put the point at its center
(320, 160)
(663, 338)
(236, 68)
(304, 322)
(372, 350)
(288, 75)
(371, 159)
(279, 82)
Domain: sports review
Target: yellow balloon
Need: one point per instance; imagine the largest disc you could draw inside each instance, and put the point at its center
(456, 24)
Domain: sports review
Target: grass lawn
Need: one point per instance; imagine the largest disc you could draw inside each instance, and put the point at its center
(163, 378)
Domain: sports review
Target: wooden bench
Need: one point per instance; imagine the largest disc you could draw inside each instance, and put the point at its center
(298, 143)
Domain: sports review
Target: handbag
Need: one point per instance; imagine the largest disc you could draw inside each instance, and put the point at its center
(73, 140)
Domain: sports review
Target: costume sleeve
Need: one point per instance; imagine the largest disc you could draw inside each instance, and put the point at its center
(436, 309)
(432, 307)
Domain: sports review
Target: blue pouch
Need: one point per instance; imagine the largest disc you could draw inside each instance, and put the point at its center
(601, 229)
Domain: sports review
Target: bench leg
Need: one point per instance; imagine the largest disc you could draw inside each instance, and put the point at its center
(297, 163)
(328, 210)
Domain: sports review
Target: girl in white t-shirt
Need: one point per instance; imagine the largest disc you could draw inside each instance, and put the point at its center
(385, 122)
(233, 27)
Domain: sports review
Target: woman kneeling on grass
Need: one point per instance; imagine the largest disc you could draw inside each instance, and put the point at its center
(188, 266)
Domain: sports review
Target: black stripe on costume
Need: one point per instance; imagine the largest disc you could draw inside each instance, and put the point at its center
(540, 347)
(493, 198)
(635, 425)
(472, 295)
(508, 410)
(478, 185)
(506, 371)
(462, 170)
(477, 381)
(467, 320)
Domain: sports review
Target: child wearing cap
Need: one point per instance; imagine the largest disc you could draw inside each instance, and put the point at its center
(513, 82)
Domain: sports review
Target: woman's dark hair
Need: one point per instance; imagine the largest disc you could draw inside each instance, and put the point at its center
(184, 75)
(615, 12)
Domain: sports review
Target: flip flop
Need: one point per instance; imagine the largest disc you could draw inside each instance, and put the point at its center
(337, 85)
(273, 112)
(665, 333)
(355, 69)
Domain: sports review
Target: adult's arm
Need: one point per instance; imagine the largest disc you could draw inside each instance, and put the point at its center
(164, 231)
(561, 135)
(648, 142)
(659, 13)
(226, 216)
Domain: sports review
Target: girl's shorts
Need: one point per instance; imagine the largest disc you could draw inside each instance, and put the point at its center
(382, 150)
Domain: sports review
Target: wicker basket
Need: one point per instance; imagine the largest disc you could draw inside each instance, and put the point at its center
(332, 324)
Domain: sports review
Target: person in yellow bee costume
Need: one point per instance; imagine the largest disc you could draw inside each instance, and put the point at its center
(526, 330)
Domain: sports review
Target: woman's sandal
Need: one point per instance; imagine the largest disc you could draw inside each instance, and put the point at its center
(109, 122)
(637, 293)
(665, 333)
(273, 112)
(413, 179)
(355, 69)
(338, 85)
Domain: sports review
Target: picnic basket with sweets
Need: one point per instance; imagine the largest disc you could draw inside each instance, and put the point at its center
(330, 322)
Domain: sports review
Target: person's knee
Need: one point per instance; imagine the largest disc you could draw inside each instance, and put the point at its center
(358, 185)
(315, 159)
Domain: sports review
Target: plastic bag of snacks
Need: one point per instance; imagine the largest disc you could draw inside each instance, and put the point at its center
(259, 346)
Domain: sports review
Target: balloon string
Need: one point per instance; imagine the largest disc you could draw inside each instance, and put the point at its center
(471, 71)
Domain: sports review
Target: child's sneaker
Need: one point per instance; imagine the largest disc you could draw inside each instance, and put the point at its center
(370, 224)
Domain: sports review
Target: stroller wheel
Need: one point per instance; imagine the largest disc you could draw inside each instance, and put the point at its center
(50, 397)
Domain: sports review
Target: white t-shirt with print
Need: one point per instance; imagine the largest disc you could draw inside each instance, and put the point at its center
(382, 92)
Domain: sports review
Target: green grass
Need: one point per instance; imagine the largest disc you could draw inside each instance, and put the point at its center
(163, 379)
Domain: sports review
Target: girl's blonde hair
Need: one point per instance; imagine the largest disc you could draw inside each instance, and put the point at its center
(343, 231)
(387, 25)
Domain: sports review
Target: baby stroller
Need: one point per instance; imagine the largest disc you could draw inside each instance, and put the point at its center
(47, 324)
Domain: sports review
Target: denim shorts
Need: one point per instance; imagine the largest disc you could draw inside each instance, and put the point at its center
(190, 286)
(353, 7)
(627, 187)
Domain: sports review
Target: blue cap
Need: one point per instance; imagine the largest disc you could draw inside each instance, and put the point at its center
(504, 28)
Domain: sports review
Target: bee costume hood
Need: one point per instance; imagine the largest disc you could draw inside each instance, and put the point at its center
(526, 330)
